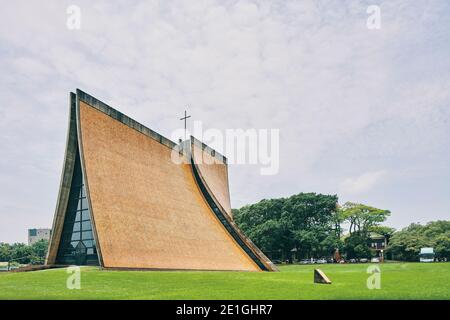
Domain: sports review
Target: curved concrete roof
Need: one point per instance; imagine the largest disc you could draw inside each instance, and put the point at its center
(149, 212)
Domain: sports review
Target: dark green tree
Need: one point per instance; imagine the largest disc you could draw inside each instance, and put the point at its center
(406, 244)
(21, 252)
(305, 221)
(356, 245)
(5, 252)
(24, 254)
(39, 251)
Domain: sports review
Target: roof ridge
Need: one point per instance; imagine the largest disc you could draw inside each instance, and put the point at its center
(123, 118)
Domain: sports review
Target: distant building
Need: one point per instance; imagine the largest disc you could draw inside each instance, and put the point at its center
(378, 243)
(34, 235)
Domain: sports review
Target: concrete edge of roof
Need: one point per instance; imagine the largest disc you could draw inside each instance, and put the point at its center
(209, 150)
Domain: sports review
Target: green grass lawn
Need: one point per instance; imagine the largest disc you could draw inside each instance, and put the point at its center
(398, 281)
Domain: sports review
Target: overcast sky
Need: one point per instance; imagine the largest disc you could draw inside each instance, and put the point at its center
(362, 113)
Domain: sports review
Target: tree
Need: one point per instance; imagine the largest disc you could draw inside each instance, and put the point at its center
(5, 252)
(362, 220)
(406, 244)
(39, 252)
(356, 246)
(362, 217)
(337, 218)
(39, 248)
(303, 221)
(22, 253)
(442, 246)
(385, 231)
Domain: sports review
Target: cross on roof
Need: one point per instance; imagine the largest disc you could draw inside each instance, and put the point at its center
(185, 118)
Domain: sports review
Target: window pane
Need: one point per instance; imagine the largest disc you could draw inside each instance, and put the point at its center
(76, 227)
(85, 215)
(78, 216)
(73, 204)
(86, 225)
(68, 228)
(70, 217)
(76, 236)
(84, 203)
(87, 235)
(88, 243)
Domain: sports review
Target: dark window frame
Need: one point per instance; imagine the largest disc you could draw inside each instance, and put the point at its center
(77, 225)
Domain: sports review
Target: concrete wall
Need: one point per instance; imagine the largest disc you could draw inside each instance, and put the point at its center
(215, 172)
(34, 235)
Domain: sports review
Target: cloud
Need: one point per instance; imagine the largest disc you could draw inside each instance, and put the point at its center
(362, 183)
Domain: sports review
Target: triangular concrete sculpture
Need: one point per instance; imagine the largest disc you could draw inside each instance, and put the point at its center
(321, 277)
(125, 204)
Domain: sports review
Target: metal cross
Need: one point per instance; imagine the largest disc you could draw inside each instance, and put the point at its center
(184, 118)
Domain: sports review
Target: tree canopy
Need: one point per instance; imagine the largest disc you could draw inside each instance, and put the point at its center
(311, 225)
(303, 222)
(22, 253)
(362, 217)
(406, 244)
